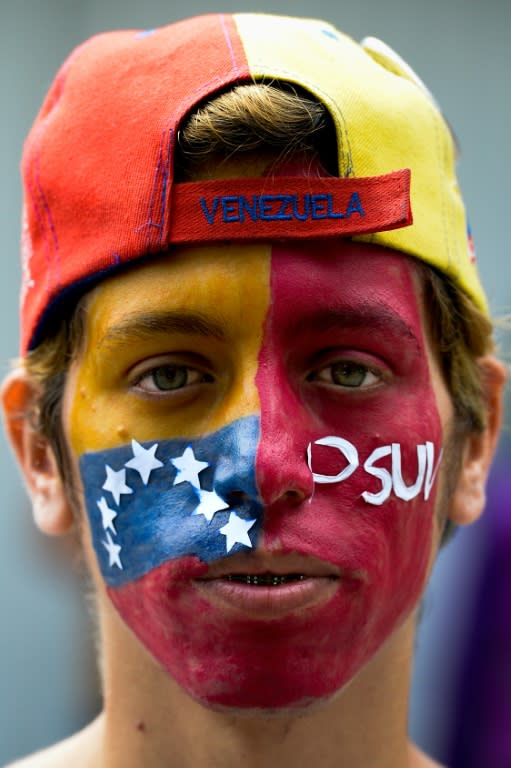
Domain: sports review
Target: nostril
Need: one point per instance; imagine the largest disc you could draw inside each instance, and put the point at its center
(291, 484)
(235, 498)
(234, 477)
(293, 496)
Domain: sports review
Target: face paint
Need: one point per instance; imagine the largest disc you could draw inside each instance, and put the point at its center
(160, 501)
(186, 492)
(202, 313)
(368, 316)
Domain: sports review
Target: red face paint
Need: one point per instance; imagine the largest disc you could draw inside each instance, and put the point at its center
(329, 302)
(333, 302)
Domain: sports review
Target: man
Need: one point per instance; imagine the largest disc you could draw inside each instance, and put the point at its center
(257, 378)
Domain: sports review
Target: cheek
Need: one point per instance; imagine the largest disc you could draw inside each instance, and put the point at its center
(372, 505)
(377, 520)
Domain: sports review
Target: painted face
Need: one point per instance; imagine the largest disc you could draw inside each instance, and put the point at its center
(258, 436)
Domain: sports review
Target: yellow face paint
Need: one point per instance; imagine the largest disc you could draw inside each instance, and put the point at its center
(200, 309)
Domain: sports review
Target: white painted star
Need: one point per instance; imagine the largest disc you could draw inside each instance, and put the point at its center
(107, 515)
(210, 503)
(236, 531)
(188, 468)
(113, 551)
(116, 483)
(144, 460)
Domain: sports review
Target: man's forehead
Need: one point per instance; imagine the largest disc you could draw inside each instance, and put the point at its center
(208, 290)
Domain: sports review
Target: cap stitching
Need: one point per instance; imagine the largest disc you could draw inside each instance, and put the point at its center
(227, 36)
(162, 173)
(49, 223)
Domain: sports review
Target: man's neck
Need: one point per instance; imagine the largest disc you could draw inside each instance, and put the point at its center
(149, 721)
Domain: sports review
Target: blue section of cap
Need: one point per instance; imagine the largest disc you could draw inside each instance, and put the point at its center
(155, 523)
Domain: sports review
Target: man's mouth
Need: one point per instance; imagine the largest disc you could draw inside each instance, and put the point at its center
(266, 568)
(265, 579)
(269, 586)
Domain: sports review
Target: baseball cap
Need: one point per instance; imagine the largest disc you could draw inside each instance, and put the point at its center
(99, 186)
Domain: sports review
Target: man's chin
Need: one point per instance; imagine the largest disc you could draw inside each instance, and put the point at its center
(301, 708)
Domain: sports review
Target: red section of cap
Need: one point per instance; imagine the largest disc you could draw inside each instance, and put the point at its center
(98, 163)
(288, 207)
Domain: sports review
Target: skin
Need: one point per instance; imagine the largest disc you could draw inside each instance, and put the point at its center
(264, 367)
(372, 559)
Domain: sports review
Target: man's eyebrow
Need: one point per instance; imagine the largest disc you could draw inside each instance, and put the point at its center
(377, 315)
(140, 326)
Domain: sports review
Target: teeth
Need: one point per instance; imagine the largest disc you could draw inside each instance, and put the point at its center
(265, 579)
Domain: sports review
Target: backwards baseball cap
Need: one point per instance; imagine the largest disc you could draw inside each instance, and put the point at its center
(98, 163)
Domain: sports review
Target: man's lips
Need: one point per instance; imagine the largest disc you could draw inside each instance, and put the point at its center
(269, 586)
(279, 564)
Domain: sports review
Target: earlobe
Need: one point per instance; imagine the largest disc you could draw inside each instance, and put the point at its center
(469, 497)
(51, 508)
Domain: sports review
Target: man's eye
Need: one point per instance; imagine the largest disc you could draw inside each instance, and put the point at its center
(347, 374)
(167, 378)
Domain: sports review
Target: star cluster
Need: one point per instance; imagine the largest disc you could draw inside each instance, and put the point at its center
(188, 467)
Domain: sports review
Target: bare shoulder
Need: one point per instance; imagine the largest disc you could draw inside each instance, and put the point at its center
(80, 750)
(418, 759)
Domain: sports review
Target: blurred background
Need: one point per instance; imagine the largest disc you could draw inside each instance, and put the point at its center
(461, 702)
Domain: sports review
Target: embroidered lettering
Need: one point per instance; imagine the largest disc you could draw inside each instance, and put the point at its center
(230, 209)
(306, 207)
(265, 207)
(318, 206)
(354, 206)
(236, 208)
(210, 215)
(248, 207)
(331, 213)
(286, 210)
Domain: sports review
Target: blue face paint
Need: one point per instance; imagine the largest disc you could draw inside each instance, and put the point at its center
(152, 502)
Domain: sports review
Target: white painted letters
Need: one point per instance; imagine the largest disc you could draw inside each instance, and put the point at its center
(402, 491)
(346, 448)
(382, 474)
(391, 478)
(431, 469)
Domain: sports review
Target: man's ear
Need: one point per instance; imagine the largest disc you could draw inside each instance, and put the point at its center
(51, 508)
(469, 497)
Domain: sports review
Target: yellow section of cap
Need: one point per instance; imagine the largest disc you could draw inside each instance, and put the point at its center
(384, 120)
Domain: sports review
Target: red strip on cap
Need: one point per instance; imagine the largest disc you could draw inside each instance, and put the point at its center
(269, 208)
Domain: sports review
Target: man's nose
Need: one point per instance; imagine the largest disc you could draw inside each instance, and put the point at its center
(282, 471)
(263, 466)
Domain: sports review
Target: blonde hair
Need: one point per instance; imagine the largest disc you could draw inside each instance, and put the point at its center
(254, 118)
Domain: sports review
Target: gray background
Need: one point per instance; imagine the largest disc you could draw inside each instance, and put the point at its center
(460, 48)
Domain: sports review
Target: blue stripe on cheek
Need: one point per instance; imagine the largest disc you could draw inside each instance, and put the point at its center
(151, 502)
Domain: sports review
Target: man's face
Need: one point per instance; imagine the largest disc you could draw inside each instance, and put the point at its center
(258, 431)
